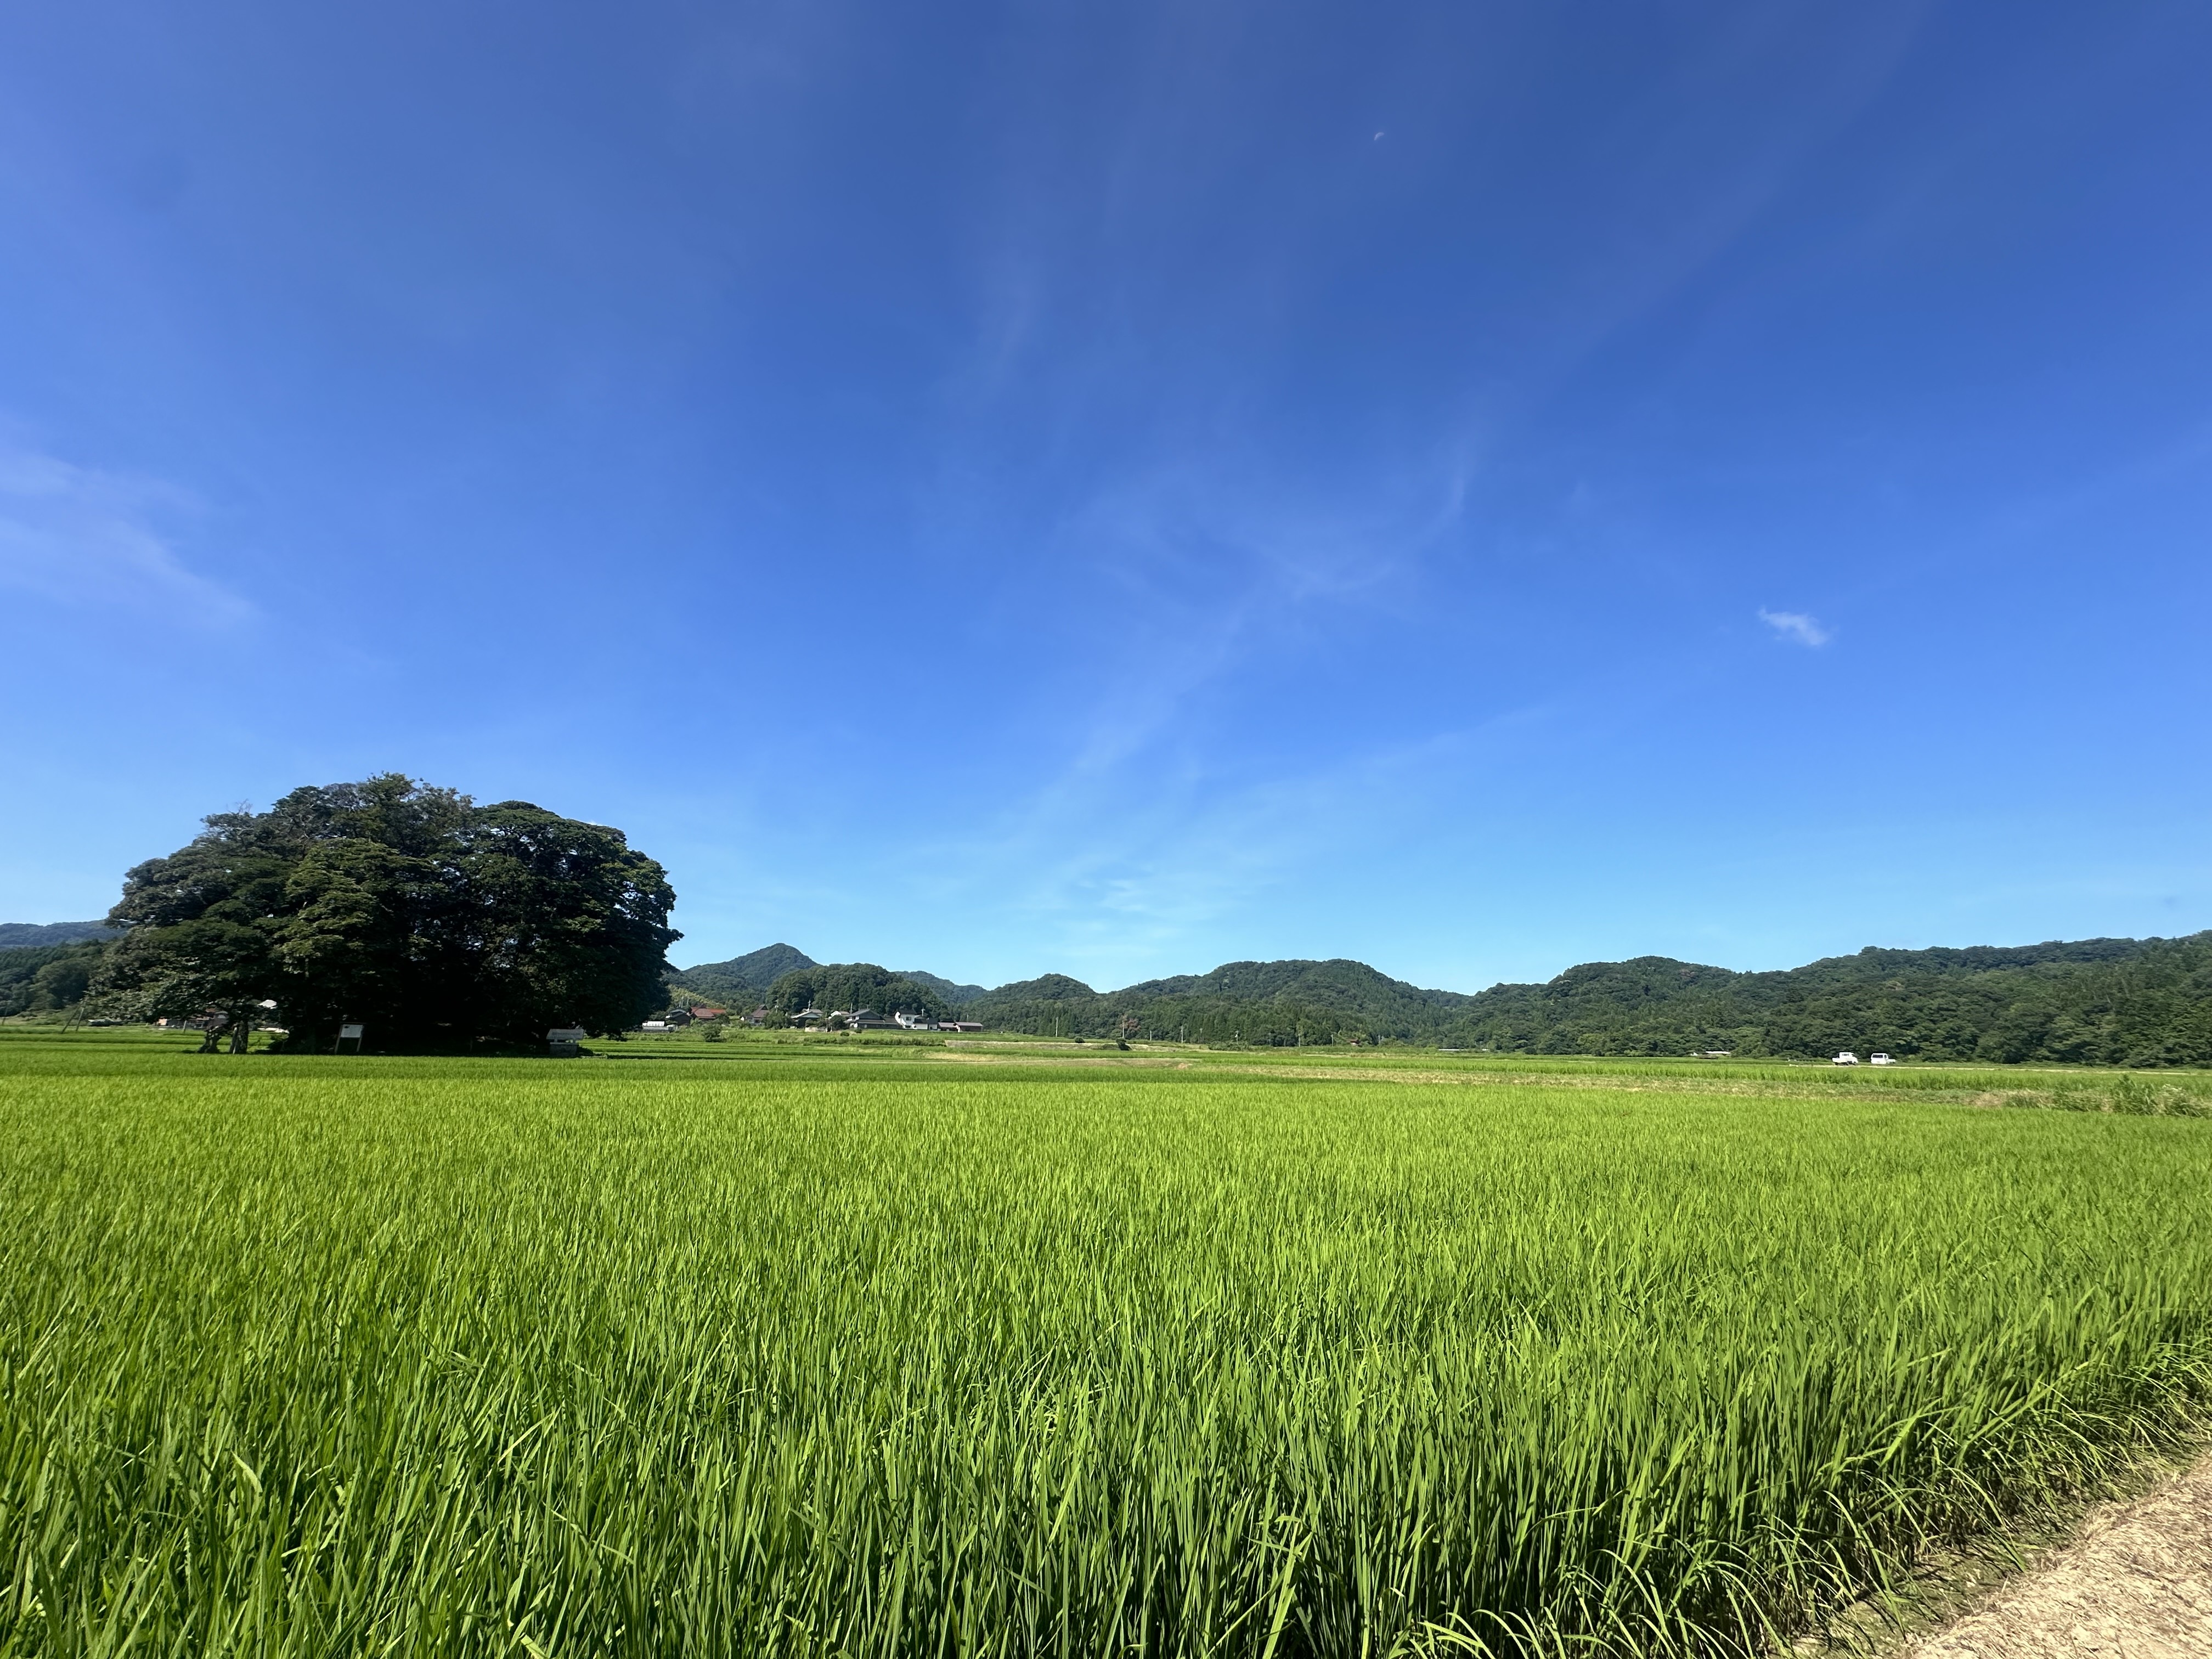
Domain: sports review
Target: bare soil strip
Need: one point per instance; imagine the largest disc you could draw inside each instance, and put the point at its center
(2135, 1584)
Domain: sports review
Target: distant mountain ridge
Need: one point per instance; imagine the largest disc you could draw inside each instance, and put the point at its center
(1339, 982)
(746, 979)
(2106, 1001)
(1269, 1002)
(26, 935)
(743, 979)
(958, 995)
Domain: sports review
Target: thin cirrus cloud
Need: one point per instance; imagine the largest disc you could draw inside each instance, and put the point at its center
(79, 537)
(1796, 627)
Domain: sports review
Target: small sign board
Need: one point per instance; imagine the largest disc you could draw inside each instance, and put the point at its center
(349, 1034)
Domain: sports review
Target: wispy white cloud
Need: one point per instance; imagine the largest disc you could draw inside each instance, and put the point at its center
(1796, 627)
(80, 537)
(1227, 565)
(1131, 873)
(1140, 838)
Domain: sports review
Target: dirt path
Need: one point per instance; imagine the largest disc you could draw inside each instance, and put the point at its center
(2136, 1583)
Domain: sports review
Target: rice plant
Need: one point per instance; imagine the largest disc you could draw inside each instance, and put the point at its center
(807, 1357)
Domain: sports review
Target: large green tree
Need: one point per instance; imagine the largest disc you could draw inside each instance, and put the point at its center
(407, 909)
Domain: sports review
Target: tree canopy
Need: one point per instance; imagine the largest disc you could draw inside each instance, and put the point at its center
(410, 909)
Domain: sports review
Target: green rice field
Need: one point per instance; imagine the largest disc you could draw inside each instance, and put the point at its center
(773, 1349)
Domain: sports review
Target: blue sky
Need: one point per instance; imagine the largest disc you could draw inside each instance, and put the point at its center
(1115, 489)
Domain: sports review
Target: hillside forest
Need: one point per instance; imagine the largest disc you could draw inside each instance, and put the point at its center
(2111, 1001)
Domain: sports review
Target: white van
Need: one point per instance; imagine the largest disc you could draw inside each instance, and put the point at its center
(1879, 1060)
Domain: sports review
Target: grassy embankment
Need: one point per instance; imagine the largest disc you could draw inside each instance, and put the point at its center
(869, 1351)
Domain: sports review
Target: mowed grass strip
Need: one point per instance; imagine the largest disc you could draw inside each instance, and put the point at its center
(363, 1358)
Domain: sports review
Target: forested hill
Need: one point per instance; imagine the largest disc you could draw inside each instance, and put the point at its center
(2137, 1002)
(742, 981)
(2106, 1001)
(1352, 986)
(1265, 1002)
(39, 978)
(955, 996)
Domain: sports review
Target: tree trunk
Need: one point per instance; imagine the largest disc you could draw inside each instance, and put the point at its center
(239, 1034)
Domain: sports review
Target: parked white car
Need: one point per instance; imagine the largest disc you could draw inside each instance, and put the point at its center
(1879, 1060)
(1846, 1058)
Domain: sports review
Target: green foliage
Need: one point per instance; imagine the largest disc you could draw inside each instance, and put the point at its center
(850, 987)
(435, 1356)
(431, 920)
(41, 978)
(2139, 1096)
